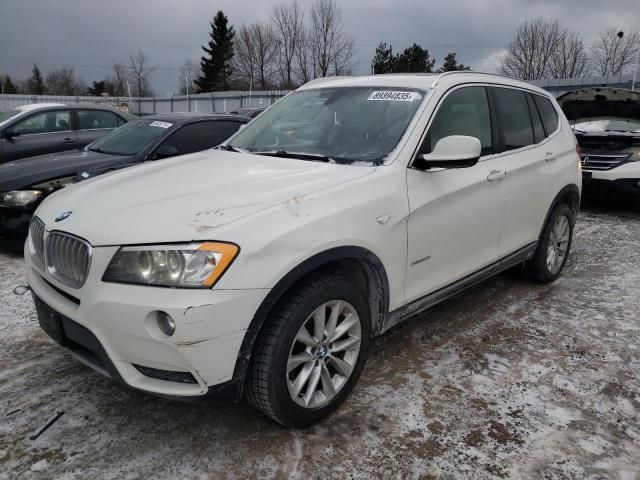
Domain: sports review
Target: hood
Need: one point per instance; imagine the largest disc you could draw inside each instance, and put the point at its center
(193, 197)
(24, 173)
(592, 103)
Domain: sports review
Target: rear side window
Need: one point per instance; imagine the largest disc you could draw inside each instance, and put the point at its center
(200, 136)
(538, 130)
(96, 119)
(463, 112)
(513, 112)
(547, 113)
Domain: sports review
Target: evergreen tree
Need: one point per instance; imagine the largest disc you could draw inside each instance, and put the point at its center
(36, 83)
(451, 64)
(383, 60)
(216, 64)
(7, 86)
(414, 59)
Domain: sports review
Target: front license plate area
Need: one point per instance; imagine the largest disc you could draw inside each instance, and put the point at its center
(49, 321)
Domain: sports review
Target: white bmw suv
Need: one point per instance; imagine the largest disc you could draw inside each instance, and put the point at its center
(263, 269)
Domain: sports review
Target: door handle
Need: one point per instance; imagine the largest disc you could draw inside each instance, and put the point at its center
(496, 175)
(68, 140)
(549, 156)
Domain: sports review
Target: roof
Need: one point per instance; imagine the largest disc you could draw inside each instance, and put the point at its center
(419, 80)
(37, 106)
(188, 117)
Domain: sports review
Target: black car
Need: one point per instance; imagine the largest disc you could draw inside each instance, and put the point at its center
(250, 112)
(43, 128)
(23, 184)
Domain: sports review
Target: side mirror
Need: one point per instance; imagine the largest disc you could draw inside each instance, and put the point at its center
(11, 133)
(454, 151)
(165, 151)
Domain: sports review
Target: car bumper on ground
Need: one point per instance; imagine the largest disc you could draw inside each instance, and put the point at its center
(14, 226)
(112, 328)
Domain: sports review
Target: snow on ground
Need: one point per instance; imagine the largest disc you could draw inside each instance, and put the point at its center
(508, 380)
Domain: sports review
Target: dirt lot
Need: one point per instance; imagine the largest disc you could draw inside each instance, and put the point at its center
(509, 380)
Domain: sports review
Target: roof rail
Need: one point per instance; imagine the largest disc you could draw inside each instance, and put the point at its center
(499, 75)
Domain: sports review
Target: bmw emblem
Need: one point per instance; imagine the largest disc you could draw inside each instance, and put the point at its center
(62, 216)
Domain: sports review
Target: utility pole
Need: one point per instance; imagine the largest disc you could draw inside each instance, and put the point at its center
(635, 70)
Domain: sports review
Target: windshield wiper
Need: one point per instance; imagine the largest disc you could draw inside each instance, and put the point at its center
(99, 150)
(231, 148)
(314, 157)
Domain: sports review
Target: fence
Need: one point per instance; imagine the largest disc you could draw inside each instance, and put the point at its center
(215, 102)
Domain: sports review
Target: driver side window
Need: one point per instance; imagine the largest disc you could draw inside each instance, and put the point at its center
(464, 111)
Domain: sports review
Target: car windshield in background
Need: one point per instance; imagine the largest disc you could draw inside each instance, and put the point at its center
(607, 125)
(345, 125)
(130, 138)
(7, 115)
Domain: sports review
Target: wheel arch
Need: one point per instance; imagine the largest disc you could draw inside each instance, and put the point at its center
(360, 263)
(569, 195)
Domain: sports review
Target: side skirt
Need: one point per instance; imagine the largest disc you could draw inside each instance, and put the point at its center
(433, 298)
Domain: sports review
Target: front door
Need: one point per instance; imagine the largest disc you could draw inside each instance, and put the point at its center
(455, 214)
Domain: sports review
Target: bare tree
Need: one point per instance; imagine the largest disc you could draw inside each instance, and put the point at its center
(140, 72)
(244, 57)
(331, 47)
(614, 51)
(119, 79)
(189, 72)
(63, 81)
(529, 54)
(256, 50)
(288, 21)
(303, 63)
(570, 59)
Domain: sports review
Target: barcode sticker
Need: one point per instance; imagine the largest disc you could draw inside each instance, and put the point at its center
(392, 96)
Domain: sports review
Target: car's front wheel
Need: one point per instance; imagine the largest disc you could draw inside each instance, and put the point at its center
(311, 351)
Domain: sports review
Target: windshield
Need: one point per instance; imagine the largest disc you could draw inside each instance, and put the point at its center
(130, 138)
(607, 125)
(345, 125)
(7, 115)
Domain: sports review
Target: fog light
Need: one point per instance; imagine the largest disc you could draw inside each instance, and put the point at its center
(165, 323)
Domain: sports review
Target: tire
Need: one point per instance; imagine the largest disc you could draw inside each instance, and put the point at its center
(539, 268)
(271, 387)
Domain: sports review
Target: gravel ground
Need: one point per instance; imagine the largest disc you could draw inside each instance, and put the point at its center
(508, 380)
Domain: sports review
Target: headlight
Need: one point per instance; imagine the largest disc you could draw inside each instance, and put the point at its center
(20, 198)
(194, 265)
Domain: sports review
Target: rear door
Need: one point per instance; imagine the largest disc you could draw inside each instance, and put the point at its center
(92, 124)
(455, 214)
(525, 152)
(40, 133)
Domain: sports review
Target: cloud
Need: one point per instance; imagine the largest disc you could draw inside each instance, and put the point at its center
(90, 36)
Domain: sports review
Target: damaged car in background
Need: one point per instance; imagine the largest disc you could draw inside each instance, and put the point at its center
(25, 183)
(606, 122)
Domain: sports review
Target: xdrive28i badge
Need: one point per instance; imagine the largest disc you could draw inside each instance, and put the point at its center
(62, 216)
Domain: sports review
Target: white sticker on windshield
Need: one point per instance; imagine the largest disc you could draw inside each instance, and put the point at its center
(160, 124)
(393, 96)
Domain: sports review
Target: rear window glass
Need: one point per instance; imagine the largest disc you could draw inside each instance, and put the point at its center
(538, 130)
(547, 113)
(96, 119)
(514, 118)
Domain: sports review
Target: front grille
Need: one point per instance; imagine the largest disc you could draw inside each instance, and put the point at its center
(68, 258)
(36, 231)
(602, 162)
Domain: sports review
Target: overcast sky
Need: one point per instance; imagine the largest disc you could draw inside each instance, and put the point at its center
(91, 35)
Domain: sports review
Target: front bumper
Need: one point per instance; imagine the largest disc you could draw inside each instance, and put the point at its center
(115, 323)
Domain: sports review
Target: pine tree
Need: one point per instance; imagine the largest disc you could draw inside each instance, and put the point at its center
(7, 86)
(383, 60)
(36, 83)
(216, 65)
(450, 64)
(414, 59)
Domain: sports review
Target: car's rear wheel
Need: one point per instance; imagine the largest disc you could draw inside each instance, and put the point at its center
(553, 247)
(311, 351)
